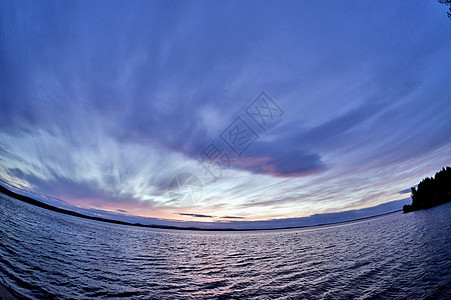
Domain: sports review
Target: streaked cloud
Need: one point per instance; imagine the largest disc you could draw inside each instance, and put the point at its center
(102, 104)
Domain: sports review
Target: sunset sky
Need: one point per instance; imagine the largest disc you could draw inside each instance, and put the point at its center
(103, 104)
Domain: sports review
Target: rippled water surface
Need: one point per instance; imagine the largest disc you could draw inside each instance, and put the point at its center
(45, 254)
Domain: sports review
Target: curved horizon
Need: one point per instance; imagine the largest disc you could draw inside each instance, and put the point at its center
(223, 112)
(336, 218)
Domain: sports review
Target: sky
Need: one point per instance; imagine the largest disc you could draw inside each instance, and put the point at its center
(223, 111)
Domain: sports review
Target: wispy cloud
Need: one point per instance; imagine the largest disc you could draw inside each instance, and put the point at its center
(196, 215)
(104, 105)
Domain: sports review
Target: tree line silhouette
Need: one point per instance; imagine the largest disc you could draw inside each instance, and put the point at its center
(447, 2)
(431, 191)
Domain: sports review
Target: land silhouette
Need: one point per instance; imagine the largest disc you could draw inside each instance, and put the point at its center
(448, 3)
(346, 218)
(431, 191)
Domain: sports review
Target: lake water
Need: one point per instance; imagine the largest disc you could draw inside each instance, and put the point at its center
(44, 254)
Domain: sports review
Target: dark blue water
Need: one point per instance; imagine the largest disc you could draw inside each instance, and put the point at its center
(44, 254)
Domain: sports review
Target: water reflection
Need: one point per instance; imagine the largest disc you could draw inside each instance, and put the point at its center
(48, 255)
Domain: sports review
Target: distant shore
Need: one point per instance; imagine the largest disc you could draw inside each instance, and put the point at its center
(431, 191)
(35, 202)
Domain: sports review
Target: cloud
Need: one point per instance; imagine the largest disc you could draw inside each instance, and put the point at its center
(406, 191)
(195, 215)
(232, 217)
(109, 103)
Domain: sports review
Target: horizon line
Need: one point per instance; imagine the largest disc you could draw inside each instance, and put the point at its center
(46, 206)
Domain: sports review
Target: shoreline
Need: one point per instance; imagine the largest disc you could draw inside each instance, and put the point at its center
(35, 202)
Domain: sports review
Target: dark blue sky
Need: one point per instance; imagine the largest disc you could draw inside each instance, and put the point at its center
(103, 103)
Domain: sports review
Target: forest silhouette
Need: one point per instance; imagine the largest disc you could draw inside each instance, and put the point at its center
(431, 191)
